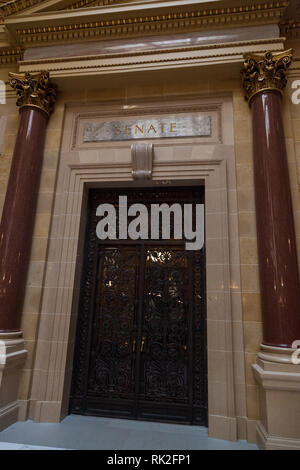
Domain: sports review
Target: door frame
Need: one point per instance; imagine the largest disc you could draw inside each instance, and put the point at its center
(213, 163)
(83, 403)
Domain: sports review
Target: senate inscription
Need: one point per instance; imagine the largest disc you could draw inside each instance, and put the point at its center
(166, 127)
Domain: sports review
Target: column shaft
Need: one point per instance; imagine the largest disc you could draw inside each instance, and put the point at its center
(264, 79)
(278, 266)
(19, 214)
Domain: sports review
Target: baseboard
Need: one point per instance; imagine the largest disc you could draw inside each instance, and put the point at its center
(241, 422)
(9, 415)
(231, 429)
(23, 410)
(251, 431)
(47, 412)
(222, 427)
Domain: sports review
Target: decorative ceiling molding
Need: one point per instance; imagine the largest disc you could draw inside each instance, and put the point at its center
(124, 22)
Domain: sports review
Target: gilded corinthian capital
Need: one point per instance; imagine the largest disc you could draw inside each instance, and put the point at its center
(34, 90)
(267, 72)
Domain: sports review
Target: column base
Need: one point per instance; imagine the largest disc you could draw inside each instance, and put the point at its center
(12, 358)
(267, 442)
(279, 383)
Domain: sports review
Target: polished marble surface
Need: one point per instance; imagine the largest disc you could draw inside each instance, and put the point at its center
(279, 278)
(18, 216)
(117, 46)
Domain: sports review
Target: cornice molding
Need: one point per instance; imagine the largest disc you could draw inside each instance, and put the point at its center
(124, 23)
(89, 3)
(218, 54)
(15, 6)
(290, 23)
(165, 51)
(290, 29)
(294, 70)
(10, 55)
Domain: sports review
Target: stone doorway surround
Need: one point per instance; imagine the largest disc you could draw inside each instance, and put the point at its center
(195, 160)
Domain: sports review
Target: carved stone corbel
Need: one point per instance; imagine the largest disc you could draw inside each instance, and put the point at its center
(141, 158)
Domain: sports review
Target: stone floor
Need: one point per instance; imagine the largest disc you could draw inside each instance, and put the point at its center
(84, 432)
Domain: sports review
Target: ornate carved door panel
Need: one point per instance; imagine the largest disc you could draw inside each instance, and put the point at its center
(141, 337)
(112, 363)
(167, 316)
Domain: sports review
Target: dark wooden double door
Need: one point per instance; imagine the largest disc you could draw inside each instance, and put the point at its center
(141, 337)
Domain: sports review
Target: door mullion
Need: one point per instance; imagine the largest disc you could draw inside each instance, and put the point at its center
(191, 327)
(140, 310)
(97, 276)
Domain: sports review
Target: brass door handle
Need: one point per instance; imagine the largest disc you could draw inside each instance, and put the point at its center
(133, 345)
(143, 342)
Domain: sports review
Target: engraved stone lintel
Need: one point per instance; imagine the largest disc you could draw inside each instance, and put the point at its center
(172, 126)
(267, 72)
(141, 157)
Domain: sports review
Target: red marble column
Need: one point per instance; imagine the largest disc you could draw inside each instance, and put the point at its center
(21, 197)
(278, 267)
